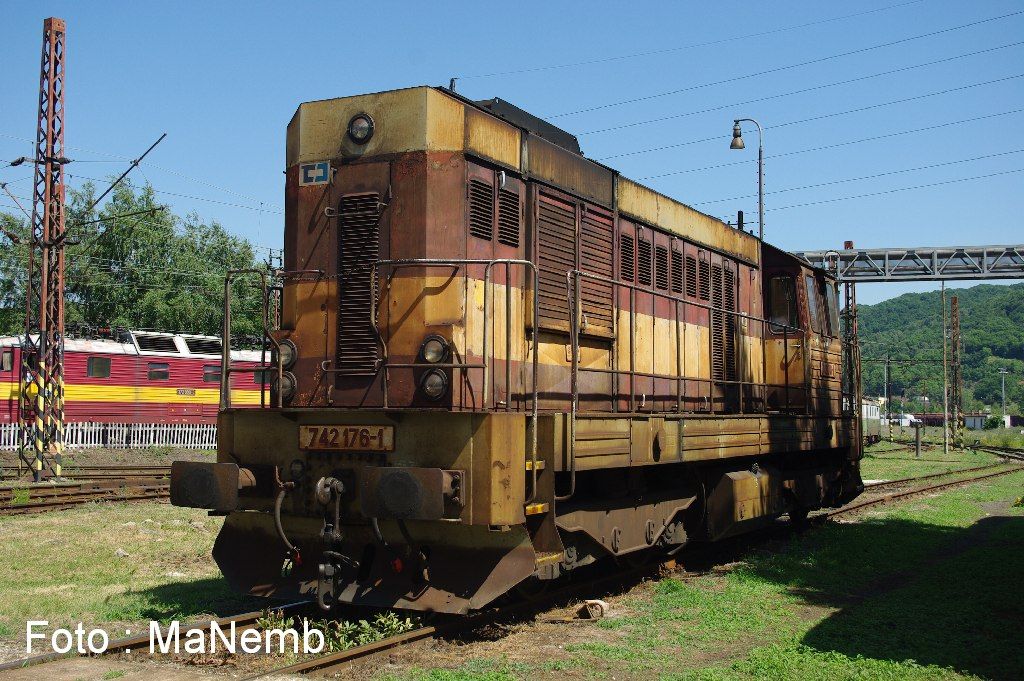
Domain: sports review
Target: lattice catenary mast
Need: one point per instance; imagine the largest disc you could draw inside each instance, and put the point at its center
(42, 376)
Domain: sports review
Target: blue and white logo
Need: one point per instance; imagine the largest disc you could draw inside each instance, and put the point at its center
(315, 173)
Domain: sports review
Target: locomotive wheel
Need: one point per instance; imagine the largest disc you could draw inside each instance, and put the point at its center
(531, 588)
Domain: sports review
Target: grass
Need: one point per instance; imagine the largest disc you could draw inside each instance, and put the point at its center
(998, 437)
(64, 567)
(883, 461)
(925, 590)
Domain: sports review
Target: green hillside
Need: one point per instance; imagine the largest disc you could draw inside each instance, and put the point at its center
(910, 327)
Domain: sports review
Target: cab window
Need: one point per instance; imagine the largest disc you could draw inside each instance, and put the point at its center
(7, 360)
(159, 371)
(832, 310)
(812, 304)
(211, 373)
(782, 310)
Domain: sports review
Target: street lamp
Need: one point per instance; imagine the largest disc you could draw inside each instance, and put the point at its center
(737, 143)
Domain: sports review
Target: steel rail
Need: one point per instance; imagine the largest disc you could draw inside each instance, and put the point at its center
(887, 483)
(914, 492)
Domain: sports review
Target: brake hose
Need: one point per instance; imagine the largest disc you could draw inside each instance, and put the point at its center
(282, 490)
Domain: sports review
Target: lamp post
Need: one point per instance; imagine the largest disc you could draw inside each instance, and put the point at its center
(737, 143)
(1002, 378)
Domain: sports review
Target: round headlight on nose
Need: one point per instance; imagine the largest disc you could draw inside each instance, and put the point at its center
(288, 352)
(434, 384)
(434, 349)
(285, 388)
(360, 128)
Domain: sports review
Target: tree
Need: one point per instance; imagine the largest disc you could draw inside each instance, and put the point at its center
(149, 271)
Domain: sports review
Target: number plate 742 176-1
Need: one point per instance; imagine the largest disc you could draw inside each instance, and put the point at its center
(348, 438)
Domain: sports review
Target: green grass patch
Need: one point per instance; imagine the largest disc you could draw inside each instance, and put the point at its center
(70, 566)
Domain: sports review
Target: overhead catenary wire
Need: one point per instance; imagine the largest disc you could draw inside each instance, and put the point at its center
(189, 196)
(787, 67)
(835, 145)
(820, 117)
(801, 91)
(668, 50)
(898, 189)
(865, 177)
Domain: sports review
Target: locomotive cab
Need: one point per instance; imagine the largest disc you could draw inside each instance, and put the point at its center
(498, 360)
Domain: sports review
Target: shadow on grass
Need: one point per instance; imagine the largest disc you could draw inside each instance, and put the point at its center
(181, 601)
(907, 590)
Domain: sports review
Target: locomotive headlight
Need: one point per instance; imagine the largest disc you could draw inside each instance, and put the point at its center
(434, 384)
(288, 352)
(434, 349)
(360, 128)
(286, 387)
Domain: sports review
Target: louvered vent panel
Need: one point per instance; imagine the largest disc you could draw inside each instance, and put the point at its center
(596, 248)
(508, 218)
(677, 272)
(691, 276)
(704, 280)
(626, 269)
(729, 304)
(643, 262)
(556, 255)
(358, 249)
(481, 209)
(717, 325)
(661, 267)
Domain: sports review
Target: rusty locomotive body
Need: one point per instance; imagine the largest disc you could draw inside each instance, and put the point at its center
(498, 361)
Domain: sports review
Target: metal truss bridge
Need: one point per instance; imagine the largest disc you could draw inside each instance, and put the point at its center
(921, 264)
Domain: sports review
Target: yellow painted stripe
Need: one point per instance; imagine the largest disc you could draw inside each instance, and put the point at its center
(163, 395)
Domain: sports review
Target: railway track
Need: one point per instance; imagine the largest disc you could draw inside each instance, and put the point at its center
(55, 497)
(10, 473)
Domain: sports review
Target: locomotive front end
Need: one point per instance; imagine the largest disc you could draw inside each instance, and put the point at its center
(388, 467)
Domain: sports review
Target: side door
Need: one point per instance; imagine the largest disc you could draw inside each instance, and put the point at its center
(785, 344)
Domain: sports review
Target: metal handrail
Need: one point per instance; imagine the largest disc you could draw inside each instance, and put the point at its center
(459, 263)
(225, 365)
(574, 303)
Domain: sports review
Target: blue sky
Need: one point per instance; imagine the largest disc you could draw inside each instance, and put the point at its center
(223, 79)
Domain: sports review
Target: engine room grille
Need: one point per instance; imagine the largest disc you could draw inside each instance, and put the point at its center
(677, 271)
(596, 241)
(691, 276)
(358, 249)
(626, 256)
(556, 255)
(481, 210)
(661, 267)
(704, 280)
(643, 261)
(729, 304)
(717, 325)
(508, 218)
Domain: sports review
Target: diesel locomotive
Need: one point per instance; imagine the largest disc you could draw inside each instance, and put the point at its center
(498, 361)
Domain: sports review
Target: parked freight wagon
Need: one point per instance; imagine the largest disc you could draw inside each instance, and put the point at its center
(139, 389)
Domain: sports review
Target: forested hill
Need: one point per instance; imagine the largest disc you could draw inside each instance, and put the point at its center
(910, 327)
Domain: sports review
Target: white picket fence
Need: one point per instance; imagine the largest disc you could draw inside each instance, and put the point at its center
(126, 435)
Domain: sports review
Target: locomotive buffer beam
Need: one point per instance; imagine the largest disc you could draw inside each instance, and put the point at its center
(922, 263)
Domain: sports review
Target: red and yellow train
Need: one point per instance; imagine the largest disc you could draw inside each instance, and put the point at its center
(499, 361)
(135, 378)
